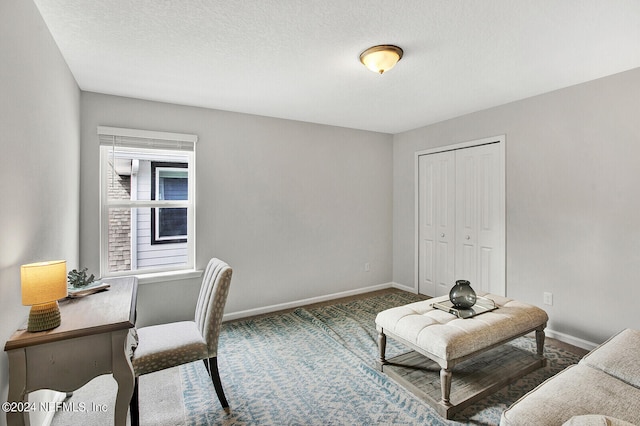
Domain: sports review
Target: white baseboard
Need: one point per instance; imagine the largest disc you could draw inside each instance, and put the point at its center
(405, 288)
(571, 340)
(303, 302)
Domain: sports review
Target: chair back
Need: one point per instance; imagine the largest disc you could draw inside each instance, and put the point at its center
(211, 301)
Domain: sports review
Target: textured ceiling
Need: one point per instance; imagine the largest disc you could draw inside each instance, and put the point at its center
(298, 59)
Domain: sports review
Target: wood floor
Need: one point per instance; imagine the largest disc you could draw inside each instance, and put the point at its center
(548, 341)
(472, 379)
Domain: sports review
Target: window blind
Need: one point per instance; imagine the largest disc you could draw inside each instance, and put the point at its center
(134, 138)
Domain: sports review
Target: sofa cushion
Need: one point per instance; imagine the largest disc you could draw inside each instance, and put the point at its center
(619, 357)
(595, 420)
(575, 391)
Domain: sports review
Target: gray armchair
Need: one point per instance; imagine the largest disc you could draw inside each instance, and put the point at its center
(169, 345)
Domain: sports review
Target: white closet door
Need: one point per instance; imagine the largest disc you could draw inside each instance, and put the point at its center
(480, 254)
(436, 223)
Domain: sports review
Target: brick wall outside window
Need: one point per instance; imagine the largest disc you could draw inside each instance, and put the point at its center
(119, 224)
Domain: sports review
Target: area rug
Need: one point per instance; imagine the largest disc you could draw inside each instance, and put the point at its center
(317, 367)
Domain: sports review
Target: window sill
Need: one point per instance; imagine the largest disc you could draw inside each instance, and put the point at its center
(159, 277)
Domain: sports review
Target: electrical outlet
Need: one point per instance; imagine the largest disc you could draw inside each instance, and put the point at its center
(548, 298)
(367, 267)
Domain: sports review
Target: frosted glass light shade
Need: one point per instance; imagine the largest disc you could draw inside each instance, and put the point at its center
(381, 58)
(43, 282)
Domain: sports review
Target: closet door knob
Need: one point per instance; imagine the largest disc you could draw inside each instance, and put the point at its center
(442, 235)
(468, 237)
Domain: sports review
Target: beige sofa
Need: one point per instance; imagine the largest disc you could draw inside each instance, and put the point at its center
(602, 389)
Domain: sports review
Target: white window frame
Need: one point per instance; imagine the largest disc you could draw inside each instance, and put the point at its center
(157, 236)
(160, 145)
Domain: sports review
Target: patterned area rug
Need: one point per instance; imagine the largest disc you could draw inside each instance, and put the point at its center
(317, 367)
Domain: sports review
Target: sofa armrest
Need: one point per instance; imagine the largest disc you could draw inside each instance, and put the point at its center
(575, 391)
(619, 357)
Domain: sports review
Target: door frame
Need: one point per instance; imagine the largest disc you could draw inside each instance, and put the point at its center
(501, 141)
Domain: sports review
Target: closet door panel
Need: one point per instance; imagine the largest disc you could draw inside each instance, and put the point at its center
(426, 214)
(480, 215)
(466, 216)
(446, 222)
(491, 271)
(436, 223)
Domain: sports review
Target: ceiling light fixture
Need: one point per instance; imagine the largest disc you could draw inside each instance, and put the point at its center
(381, 58)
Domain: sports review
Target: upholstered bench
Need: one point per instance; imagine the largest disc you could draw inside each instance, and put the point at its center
(449, 340)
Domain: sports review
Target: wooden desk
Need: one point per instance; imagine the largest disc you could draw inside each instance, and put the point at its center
(93, 339)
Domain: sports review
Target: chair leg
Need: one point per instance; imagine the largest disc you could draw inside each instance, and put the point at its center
(206, 365)
(133, 405)
(217, 384)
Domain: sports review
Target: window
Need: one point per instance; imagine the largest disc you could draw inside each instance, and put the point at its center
(147, 215)
(169, 182)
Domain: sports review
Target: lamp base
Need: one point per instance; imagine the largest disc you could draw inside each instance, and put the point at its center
(44, 317)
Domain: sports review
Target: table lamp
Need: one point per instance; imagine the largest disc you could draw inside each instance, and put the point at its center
(43, 283)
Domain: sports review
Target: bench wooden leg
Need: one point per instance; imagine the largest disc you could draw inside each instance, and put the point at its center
(382, 346)
(540, 341)
(445, 384)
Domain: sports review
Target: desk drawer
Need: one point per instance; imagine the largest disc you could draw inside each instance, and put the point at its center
(68, 364)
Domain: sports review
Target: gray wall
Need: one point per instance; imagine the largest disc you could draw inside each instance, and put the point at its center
(40, 125)
(296, 209)
(573, 175)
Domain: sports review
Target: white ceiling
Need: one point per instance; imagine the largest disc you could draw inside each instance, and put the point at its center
(298, 59)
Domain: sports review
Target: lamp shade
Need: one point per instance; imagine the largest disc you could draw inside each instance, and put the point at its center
(43, 282)
(381, 58)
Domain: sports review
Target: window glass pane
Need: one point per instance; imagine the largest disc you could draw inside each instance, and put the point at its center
(130, 245)
(136, 169)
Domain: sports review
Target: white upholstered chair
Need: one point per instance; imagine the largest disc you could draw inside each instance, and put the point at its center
(168, 345)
